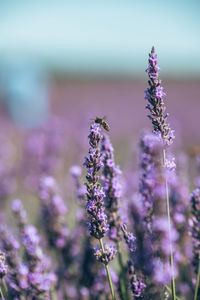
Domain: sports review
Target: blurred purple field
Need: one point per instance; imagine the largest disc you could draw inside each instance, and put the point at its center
(99, 150)
(43, 167)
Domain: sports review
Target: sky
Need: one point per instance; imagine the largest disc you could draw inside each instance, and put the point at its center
(101, 37)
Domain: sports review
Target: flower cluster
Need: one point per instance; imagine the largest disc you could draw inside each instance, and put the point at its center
(170, 164)
(154, 95)
(143, 255)
(57, 257)
(3, 266)
(17, 277)
(129, 238)
(35, 272)
(53, 210)
(98, 225)
(112, 189)
(195, 226)
(150, 161)
(136, 284)
(105, 256)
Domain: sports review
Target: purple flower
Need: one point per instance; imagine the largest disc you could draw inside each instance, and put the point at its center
(161, 272)
(170, 164)
(150, 164)
(159, 92)
(3, 266)
(95, 205)
(154, 95)
(112, 189)
(129, 238)
(15, 281)
(53, 210)
(75, 171)
(107, 255)
(58, 206)
(23, 276)
(136, 284)
(18, 210)
(37, 264)
(195, 226)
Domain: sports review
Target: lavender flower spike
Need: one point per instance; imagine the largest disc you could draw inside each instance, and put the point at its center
(129, 238)
(3, 266)
(195, 226)
(106, 256)
(156, 106)
(3, 271)
(150, 158)
(112, 188)
(154, 95)
(195, 232)
(98, 224)
(136, 284)
(95, 205)
(37, 266)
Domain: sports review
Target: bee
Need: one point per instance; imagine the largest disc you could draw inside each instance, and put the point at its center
(102, 122)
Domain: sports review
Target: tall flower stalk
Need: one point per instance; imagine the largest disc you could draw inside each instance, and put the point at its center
(98, 224)
(112, 188)
(136, 284)
(158, 116)
(3, 272)
(40, 279)
(195, 232)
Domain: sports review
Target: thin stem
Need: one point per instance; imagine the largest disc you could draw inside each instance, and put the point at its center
(198, 281)
(123, 283)
(170, 291)
(108, 273)
(169, 229)
(53, 294)
(5, 286)
(1, 294)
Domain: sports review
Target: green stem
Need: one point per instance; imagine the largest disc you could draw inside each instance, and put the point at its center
(108, 273)
(170, 291)
(5, 286)
(123, 283)
(53, 294)
(1, 294)
(198, 281)
(169, 229)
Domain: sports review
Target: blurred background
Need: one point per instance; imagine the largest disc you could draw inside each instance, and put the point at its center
(79, 59)
(62, 63)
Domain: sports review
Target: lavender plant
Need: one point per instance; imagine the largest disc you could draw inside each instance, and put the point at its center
(98, 224)
(195, 232)
(40, 279)
(136, 284)
(16, 279)
(149, 175)
(113, 191)
(3, 271)
(147, 211)
(155, 95)
(59, 257)
(60, 238)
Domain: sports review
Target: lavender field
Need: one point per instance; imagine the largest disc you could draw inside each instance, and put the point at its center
(96, 207)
